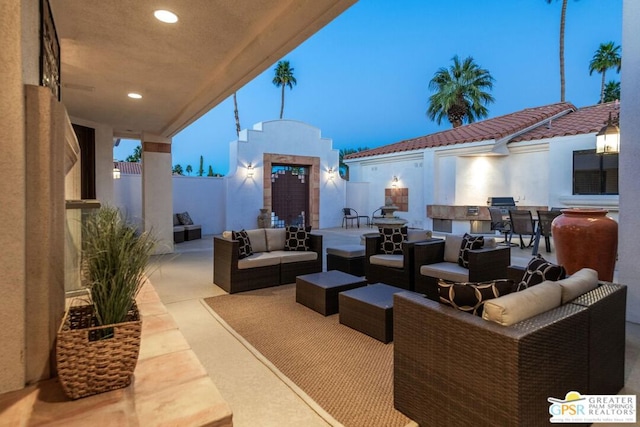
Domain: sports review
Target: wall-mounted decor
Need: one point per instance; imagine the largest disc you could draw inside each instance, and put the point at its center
(399, 196)
(49, 51)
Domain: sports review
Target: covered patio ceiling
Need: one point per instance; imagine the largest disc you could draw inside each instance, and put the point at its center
(182, 70)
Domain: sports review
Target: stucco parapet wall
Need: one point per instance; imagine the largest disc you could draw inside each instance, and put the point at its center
(464, 213)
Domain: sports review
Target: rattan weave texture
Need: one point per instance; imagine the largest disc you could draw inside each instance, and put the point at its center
(87, 366)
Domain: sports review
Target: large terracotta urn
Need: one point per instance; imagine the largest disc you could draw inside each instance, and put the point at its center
(586, 238)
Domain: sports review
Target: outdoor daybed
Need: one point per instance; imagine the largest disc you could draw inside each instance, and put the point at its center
(458, 369)
(274, 259)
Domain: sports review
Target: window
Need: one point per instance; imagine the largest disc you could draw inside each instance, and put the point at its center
(595, 174)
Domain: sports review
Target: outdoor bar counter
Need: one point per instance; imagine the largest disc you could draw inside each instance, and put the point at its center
(465, 218)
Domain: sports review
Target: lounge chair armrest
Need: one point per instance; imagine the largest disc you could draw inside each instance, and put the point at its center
(489, 263)
(515, 273)
(428, 252)
(315, 243)
(225, 253)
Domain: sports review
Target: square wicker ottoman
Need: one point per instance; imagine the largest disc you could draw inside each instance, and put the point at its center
(369, 310)
(319, 291)
(347, 258)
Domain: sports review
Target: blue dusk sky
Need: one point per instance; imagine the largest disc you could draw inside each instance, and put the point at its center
(363, 79)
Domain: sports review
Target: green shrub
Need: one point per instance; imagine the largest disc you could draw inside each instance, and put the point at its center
(115, 259)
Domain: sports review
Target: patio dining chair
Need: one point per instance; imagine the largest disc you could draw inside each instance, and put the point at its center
(522, 224)
(350, 214)
(545, 218)
(499, 223)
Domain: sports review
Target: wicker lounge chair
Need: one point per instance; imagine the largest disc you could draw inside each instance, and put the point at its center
(456, 369)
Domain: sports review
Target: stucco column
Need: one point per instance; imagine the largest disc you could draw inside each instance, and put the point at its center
(13, 216)
(157, 190)
(46, 122)
(629, 224)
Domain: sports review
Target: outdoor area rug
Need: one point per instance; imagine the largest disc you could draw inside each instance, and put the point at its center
(347, 373)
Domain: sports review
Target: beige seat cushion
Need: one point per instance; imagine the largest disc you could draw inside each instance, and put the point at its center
(580, 282)
(452, 244)
(275, 238)
(346, 251)
(258, 259)
(258, 240)
(518, 306)
(446, 271)
(287, 257)
(387, 260)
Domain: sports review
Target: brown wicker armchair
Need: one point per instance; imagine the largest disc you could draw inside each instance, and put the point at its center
(400, 275)
(456, 369)
(484, 264)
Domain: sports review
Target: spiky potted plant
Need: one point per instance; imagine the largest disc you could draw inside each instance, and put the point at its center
(98, 342)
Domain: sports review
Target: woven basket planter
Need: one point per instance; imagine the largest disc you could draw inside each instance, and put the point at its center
(89, 364)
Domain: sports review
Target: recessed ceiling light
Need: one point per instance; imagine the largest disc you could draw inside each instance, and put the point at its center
(166, 16)
(134, 95)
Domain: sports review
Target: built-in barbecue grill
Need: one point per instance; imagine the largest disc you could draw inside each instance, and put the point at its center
(504, 203)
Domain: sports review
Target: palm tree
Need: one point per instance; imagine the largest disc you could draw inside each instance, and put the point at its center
(607, 56)
(611, 91)
(284, 77)
(189, 169)
(460, 92)
(177, 170)
(563, 16)
(136, 156)
(343, 169)
(235, 112)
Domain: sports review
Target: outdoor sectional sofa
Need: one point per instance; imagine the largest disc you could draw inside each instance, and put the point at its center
(269, 265)
(457, 369)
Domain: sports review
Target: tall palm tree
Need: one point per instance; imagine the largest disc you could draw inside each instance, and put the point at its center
(563, 16)
(611, 91)
(607, 56)
(460, 92)
(284, 77)
(235, 112)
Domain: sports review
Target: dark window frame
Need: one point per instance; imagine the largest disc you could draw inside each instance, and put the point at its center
(600, 180)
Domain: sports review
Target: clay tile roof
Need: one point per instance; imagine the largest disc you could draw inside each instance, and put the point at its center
(128, 168)
(490, 129)
(585, 120)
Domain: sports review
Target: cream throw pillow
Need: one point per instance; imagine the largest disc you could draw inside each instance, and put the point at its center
(517, 306)
(452, 244)
(580, 282)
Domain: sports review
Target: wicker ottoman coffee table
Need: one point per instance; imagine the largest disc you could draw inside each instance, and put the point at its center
(319, 291)
(346, 258)
(369, 310)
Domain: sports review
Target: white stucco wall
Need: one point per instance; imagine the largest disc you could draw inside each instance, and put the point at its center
(202, 197)
(379, 173)
(281, 137)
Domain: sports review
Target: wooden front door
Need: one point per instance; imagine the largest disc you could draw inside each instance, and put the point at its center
(290, 195)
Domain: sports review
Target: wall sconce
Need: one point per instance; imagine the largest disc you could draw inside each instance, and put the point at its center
(250, 170)
(116, 171)
(332, 173)
(394, 182)
(608, 139)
